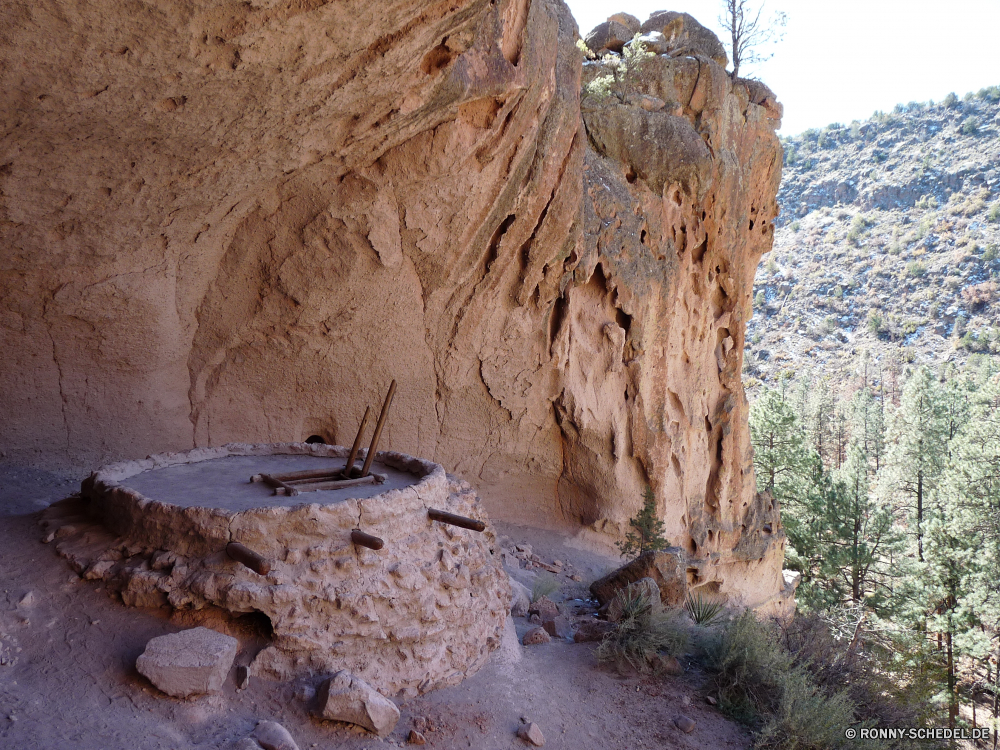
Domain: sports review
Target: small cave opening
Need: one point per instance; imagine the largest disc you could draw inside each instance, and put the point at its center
(623, 319)
(436, 60)
(314, 439)
(257, 624)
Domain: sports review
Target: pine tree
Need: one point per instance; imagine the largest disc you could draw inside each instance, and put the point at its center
(781, 457)
(917, 450)
(648, 530)
(964, 546)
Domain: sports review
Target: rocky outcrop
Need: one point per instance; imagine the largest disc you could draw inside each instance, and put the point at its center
(232, 221)
(679, 206)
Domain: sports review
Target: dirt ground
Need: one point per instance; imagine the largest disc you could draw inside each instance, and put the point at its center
(68, 677)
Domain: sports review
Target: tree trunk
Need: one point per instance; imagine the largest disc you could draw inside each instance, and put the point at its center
(920, 515)
(996, 697)
(952, 695)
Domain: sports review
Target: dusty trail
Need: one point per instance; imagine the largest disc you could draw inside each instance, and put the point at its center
(68, 678)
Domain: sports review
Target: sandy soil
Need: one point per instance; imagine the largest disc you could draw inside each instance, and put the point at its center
(68, 678)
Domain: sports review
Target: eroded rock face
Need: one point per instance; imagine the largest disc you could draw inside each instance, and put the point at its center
(238, 221)
(675, 221)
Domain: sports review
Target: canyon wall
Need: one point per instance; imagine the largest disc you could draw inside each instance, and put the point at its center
(238, 221)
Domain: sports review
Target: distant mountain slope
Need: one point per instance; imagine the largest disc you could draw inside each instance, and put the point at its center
(887, 243)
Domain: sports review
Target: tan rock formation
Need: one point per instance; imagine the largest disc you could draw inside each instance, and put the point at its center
(227, 221)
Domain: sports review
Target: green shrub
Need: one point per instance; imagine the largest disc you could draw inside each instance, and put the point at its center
(600, 86)
(990, 94)
(916, 269)
(759, 684)
(703, 611)
(970, 126)
(747, 664)
(927, 202)
(805, 716)
(951, 100)
(636, 52)
(874, 322)
(796, 226)
(643, 630)
(990, 253)
(993, 214)
(760, 299)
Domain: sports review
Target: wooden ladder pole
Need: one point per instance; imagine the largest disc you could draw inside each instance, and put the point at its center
(246, 556)
(455, 520)
(357, 443)
(378, 429)
(366, 540)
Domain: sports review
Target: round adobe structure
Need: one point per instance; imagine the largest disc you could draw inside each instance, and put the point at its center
(422, 612)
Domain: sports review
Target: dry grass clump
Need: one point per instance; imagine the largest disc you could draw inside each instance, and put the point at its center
(644, 630)
(980, 294)
(544, 585)
(800, 687)
(760, 684)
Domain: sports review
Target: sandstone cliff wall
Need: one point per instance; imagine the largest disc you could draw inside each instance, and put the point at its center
(237, 221)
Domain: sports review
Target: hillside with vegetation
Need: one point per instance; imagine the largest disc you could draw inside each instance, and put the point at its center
(873, 373)
(886, 251)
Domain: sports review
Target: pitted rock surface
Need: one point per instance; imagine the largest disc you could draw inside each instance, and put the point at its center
(423, 612)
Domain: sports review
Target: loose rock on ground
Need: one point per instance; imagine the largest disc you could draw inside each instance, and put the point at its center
(188, 663)
(272, 736)
(531, 733)
(345, 697)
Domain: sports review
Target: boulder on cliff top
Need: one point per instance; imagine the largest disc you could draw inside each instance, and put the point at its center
(683, 32)
(189, 662)
(628, 21)
(345, 697)
(609, 35)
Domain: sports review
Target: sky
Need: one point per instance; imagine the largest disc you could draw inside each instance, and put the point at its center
(841, 60)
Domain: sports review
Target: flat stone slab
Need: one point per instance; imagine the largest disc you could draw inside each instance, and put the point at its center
(225, 482)
(189, 662)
